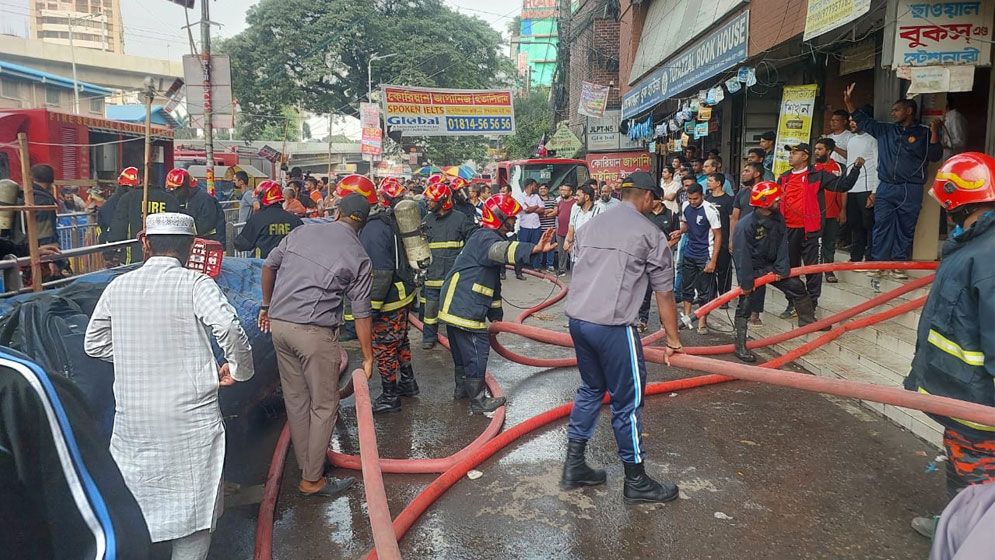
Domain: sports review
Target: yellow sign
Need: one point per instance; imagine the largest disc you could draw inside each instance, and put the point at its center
(794, 126)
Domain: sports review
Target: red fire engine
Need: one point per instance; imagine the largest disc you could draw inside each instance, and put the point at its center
(80, 148)
(552, 171)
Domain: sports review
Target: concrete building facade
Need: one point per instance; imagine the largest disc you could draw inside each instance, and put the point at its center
(88, 24)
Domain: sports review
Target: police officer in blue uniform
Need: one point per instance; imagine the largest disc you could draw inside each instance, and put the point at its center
(472, 290)
(623, 247)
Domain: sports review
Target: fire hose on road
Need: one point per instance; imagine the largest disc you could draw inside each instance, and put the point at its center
(492, 440)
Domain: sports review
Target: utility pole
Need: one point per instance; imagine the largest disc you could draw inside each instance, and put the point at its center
(149, 96)
(72, 50)
(205, 55)
(563, 59)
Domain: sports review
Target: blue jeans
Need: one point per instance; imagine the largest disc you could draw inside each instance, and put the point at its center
(896, 211)
(610, 359)
(531, 235)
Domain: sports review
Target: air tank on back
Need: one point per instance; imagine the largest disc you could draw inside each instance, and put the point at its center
(408, 218)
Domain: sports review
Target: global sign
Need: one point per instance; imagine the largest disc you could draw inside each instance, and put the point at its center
(713, 53)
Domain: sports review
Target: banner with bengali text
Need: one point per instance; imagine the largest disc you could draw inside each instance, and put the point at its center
(448, 112)
(941, 33)
(614, 166)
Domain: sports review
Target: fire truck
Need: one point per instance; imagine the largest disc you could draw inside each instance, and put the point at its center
(552, 171)
(82, 150)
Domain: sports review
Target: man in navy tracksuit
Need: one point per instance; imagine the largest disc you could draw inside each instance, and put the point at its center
(905, 149)
(624, 247)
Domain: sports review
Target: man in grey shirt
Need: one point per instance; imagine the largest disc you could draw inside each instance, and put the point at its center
(618, 252)
(304, 311)
(247, 204)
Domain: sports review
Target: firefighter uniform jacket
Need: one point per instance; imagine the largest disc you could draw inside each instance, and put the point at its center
(266, 229)
(446, 236)
(759, 246)
(393, 284)
(473, 287)
(955, 343)
(128, 214)
(206, 213)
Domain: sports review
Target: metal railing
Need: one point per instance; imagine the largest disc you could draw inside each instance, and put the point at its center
(76, 230)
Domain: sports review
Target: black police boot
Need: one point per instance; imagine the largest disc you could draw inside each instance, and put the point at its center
(389, 400)
(641, 489)
(459, 377)
(406, 384)
(576, 472)
(742, 352)
(479, 401)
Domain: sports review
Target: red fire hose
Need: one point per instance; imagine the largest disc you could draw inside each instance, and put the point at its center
(376, 495)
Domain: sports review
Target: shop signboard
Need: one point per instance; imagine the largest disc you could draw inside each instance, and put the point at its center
(371, 143)
(615, 166)
(940, 33)
(564, 142)
(603, 134)
(717, 51)
(416, 111)
(794, 126)
(825, 15)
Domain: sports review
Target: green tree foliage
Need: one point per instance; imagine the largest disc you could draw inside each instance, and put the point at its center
(532, 118)
(315, 54)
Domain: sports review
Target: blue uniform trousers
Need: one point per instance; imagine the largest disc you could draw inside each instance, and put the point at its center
(896, 211)
(430, 314)
(470, 350)
(610, 358)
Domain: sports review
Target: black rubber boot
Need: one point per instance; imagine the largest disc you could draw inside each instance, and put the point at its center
(742, 352)
(641, 489)
(406, 384)
(427, 344)
(576, 472)
(479, 401)
(459, 378)
(389, 400)
(806, 312)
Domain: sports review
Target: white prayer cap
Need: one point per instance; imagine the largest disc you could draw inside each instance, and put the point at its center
(170, 223)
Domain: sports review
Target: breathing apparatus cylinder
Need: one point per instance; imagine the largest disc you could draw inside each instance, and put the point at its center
(8, 197)
(408, 219)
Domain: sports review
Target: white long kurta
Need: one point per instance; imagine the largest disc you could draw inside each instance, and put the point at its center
(155, 325)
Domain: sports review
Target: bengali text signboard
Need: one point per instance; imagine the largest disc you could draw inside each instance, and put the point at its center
(825, 15)
(942, 33)
(794, 124)
(448, 112)
(615, 166)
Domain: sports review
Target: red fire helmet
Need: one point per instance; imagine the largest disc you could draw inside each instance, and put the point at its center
(359, 184)
(128, 177)
(390, 188)
(437, 178)
(967, 178)
(177, 178)
(458, 183)
(440, 193)
(499, 208)
(270, 193)
(764, 194)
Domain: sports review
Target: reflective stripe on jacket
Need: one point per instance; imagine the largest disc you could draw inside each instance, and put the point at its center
(472, 288)
(446, 236)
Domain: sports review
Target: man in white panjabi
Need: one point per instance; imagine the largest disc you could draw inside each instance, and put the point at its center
(155, 324)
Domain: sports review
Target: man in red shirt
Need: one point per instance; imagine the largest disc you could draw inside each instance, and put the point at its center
(835, 202)
(563, 206)
(803, 206)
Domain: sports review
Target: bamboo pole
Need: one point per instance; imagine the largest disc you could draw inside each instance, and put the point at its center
(148, 156)
(29, 200)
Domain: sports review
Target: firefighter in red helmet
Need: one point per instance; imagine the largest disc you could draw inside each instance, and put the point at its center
(760, 245)
(126, 181)
(446, 232)
(955, 341)
(198, 204)
(391, 297)
(473, 286)
(127, 220)
(265, 229)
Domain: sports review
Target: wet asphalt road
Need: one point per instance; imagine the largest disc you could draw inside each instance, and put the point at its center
(765, 473)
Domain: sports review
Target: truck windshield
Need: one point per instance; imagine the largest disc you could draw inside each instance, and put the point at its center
(554, 175)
